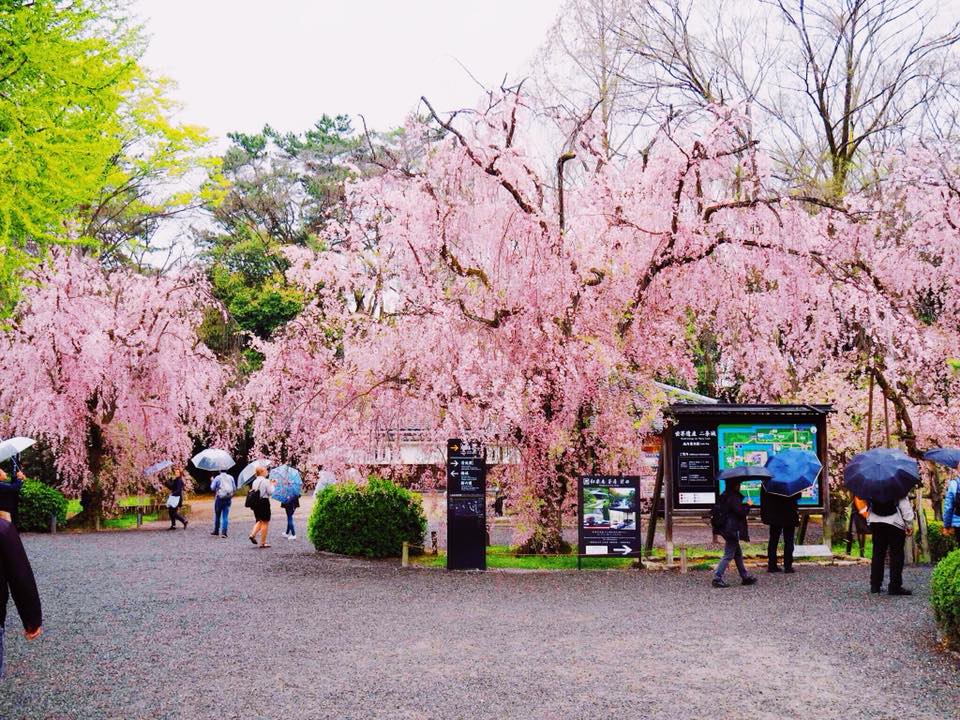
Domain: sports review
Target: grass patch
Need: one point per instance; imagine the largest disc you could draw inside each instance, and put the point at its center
(128, 501)
(125, 522)
(504, 557)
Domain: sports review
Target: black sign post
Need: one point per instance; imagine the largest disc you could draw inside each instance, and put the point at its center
(608, 516)
(466, 506)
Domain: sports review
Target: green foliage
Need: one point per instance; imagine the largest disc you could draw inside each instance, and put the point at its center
(64, 71)
(37, 503)
(945, 596)
(371, 520)
(940, 545)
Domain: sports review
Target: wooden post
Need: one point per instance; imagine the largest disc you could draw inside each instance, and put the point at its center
(683, 559)
(657, 491)
(827, 514)
(53, 523)
(870, 414)
(853, 509)
(922, 525)
(405, 555)
(802, 530)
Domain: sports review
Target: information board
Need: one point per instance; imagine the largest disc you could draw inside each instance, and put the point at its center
(707, 439)
(608, 518)
(696, 476)
(754, 444)
(466, 506)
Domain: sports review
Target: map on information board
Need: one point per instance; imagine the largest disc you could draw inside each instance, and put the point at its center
(753, 444)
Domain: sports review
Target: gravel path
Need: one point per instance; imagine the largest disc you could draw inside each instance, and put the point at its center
(153, 624)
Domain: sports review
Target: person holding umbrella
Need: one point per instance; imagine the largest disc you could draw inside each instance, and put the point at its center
(884, 477)
(730, 520)
(175, 501)
(287, 486)
(948, 457)
(224, 487)
(16, 575)
(260, 504)
(791, 472)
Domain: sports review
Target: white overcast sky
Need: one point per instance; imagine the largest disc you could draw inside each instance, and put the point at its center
(242, 63)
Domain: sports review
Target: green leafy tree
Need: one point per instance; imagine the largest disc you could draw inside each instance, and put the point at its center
(65, 69)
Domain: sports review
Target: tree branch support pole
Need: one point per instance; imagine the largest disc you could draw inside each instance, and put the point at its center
(868, 442)
(654, 507)
(405, 555)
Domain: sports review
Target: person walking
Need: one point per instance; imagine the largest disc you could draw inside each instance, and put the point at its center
(780, 513)
(951, 507)
(890, 524)
(16, 575)
(730, 521)
(175, 501)
(224, 487)
(263, 487)
(290, 506)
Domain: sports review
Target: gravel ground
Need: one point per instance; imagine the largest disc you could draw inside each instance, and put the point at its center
(152, 624)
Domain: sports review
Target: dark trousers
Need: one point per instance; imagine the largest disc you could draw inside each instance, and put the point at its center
(887, 538)
(174, 516)
(788, 533)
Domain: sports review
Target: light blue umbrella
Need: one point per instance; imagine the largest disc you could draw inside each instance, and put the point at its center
(287, 483)
(793, 470)
(157, 467)
(949, 457)
(212, 459)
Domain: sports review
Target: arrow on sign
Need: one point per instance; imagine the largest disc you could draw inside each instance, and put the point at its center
(625, 549)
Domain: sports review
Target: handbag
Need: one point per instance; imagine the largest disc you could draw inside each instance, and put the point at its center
(253, 497)
(173, 501)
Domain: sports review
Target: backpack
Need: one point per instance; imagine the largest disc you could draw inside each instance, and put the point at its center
(718, 517)
(884, 508)
(253, 497)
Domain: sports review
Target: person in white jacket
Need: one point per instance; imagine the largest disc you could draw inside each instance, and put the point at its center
(890, 523)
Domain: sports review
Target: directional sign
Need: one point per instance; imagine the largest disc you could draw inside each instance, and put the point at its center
(466, 506)
(466, 468)
(609, 515)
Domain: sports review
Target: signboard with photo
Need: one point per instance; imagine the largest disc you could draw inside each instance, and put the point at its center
(609, 516)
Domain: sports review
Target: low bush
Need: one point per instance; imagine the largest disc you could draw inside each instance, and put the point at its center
(940, 545)
(945, 596)
(37, 503)
(371, 519)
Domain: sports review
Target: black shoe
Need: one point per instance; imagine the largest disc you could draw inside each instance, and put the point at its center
(876, 591)
(223, 535)
(185, 523)
(899, 591)
(172, 527)
(215, 532)
(789, 570)
(748, 580)
(252, 539)
(719, 583)
(774, 569)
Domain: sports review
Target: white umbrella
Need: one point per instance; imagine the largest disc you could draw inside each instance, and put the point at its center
(212, 459)
(246, 475)
(157, 467)
(14, 446)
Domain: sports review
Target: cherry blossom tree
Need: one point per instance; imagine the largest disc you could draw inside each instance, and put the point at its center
(106, 368)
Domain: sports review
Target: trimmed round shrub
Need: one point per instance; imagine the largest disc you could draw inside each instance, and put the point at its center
(37, 503)
(945, 596)
(940, 544)
(372, 519)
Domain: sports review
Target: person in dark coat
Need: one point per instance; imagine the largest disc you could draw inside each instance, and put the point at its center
(176, 491)
(16, 575)
(780, 513)
(735, 508)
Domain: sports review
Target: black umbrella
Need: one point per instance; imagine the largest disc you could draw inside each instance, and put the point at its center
(745, 472)
(881, 475)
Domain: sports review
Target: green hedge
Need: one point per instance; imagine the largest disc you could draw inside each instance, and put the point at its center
(945, 596)
(372, 519)
(940, 545)
(37, 503)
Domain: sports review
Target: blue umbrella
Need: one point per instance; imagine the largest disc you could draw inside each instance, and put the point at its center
(949, 457)
(793, 470)
(881, 475)
(212, 459)
(287, 483)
